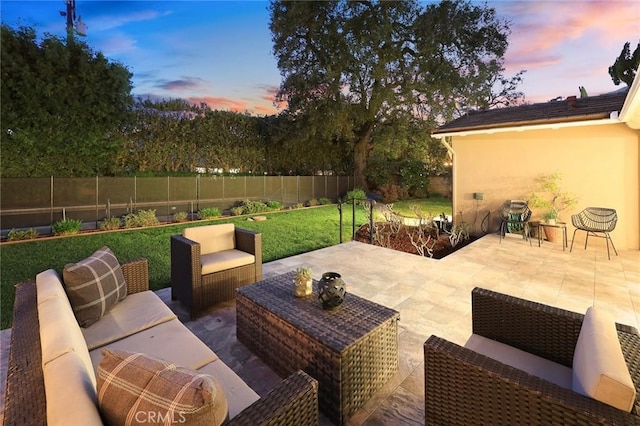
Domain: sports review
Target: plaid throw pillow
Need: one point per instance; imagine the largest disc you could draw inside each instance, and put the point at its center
(94, 285)
(135, 388)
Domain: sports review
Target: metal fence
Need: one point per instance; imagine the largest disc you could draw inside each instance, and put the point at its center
(33, 202)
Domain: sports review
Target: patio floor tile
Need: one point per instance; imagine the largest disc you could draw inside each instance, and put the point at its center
(433, 297)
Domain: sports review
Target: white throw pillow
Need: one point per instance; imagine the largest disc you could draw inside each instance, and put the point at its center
(599, 369)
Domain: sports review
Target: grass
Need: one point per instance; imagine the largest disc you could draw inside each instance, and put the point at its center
(432, 206)
(284, 234)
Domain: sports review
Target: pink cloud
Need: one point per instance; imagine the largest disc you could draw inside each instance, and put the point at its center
(269, 94)
(265, 110)
(565, 44)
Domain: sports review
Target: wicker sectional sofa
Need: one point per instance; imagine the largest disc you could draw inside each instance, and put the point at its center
(464, 386)
(52, 374)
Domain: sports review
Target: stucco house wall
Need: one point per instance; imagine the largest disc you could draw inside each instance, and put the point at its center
(599, 163)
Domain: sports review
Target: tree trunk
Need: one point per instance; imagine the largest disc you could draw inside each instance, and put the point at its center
(361, 152)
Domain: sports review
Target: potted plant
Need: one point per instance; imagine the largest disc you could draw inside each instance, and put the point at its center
(303, 284)
(550, 197)
(550, 217)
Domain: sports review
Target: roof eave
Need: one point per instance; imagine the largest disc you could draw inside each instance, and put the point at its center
(578, 120)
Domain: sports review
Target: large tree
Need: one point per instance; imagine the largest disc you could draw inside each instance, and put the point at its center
(61, 106)
(625, 66)
(352, 68)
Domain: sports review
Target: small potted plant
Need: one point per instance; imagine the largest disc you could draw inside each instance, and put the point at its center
(303, 284)
(550, 217)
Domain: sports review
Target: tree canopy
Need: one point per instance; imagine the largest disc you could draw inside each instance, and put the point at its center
(366, 74)
(60, 102)
(625, 66)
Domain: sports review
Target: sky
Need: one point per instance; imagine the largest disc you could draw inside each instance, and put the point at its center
(220, 52)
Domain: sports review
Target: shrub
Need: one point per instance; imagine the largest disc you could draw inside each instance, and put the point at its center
(392, 193)
(66, 227)
(141, 219)
(250, 207)
(415, 177)
(208, 213)
(274, 205)
(180, 217)
(297, 206)
(22, 234)
(357, 194)
(237, 211)
(313, 202)
(110, 224)
(325, 200)
(388, 194)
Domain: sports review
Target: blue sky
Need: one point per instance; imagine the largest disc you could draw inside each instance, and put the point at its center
(220, 52)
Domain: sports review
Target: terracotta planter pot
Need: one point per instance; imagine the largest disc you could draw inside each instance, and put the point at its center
(553, 234)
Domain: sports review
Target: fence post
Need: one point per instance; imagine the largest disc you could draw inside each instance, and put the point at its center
(353, 219)
(97, 201)
(198, 189)
(51, 201)
(340, 210)
(135, 192)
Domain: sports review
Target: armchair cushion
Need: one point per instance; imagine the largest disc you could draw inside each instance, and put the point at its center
(599, 368)
(134, 386)
(94, 285)
(223, 260)
(212, 238)
(524, 361)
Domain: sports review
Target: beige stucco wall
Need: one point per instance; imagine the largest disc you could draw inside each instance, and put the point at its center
(600, 164)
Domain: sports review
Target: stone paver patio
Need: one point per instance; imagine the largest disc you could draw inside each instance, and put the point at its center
(433, 297)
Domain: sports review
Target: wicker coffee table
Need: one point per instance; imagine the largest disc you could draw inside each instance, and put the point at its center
(352, 350)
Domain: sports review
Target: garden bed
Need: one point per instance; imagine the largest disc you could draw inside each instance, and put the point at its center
(401, 241)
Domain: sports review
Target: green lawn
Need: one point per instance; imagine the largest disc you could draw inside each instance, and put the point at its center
(433, 206)
(284, 234)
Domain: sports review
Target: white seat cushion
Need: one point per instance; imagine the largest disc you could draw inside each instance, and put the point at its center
(212, 238)
(70, 392)
(224, 260)
(171, 341)
(239, 394)
(516, 358)
(139, 311)
(599, 369)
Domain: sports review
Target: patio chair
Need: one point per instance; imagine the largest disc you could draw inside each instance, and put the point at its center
(596, 222)
(209, 262)
(515, 219)
(520, 367)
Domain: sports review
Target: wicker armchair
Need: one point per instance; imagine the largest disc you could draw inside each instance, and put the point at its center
(516, 216)
(463, 387)
(197, 291)
(596, 222)
(294, 401)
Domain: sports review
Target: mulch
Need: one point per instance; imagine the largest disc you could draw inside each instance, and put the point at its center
(401, 241)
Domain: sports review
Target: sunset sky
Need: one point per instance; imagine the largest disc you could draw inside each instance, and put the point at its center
(220, 52)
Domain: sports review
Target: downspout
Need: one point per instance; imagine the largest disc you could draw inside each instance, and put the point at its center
(443, 141)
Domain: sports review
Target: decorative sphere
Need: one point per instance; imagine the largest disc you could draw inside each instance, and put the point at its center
(331, 290)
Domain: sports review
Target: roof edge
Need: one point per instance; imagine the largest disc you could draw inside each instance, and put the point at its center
(528, 123)
(611, 119)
